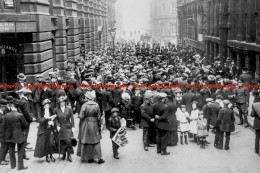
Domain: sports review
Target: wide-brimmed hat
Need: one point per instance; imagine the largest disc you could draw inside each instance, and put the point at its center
(46, 101)
(21, 76)
(114, 110)
(91, 95)
(9, 99)
(3, 102)
(61, 99)
(24, 91)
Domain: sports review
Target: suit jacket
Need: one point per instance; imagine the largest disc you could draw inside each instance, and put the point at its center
(161, 109)
(71, 91)
(241, 95)
(255, 113)
(214, 108)
(36, 93)
(26, 110)
(188, 98)
(2, 119)
(14, 126)
(226, 120)
(107, 101)
(116, 95)
(66, 122)
(246, 79)
(146, 114)
(206, 111)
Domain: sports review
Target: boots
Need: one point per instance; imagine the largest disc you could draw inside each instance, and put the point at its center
(181, 140)
(186, 141)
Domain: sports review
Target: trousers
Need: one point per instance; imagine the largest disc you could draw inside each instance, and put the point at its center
(221, 138)
(161, 140)
(216, 141)
(257, 137)
(11, 147)
(146, 136)
(3, 151)
(115, 148)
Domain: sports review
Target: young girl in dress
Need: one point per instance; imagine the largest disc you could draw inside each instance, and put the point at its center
(182, 118)
(193, 120)
(202, 130)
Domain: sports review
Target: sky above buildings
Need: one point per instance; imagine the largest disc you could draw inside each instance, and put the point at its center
(133, 15)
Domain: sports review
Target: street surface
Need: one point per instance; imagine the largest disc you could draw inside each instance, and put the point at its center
(184, 158)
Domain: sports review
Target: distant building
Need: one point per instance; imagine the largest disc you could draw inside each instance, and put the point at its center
(192, 23)
(38, 36)
(164, 20)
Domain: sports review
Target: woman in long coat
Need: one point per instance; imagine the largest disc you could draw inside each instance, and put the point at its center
(173, 133)
(46, 143)
(65, 122)
(89, 147)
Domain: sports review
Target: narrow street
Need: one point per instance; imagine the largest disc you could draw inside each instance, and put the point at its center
(184, 158)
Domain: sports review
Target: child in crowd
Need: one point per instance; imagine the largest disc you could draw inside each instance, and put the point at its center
(113, 125)
(193, 120)
(202, 130)
(182, 118)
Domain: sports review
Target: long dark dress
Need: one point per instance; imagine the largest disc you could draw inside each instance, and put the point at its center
(47, 140)
(173, 133)
(66, 122)
(89, 132)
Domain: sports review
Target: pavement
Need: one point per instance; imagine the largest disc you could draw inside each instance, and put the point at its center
(184, 158)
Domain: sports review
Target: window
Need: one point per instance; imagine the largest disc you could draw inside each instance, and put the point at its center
(173, 28)
(173, 8)
(7, 5)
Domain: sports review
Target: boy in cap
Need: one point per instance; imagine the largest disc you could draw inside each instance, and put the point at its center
(113, 125)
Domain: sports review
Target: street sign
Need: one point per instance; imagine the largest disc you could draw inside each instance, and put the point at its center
(7, 26)
(23, 26)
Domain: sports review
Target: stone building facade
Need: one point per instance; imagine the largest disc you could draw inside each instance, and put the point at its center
(232, 31)
(37, 36)
(192, 23)
(164, 20)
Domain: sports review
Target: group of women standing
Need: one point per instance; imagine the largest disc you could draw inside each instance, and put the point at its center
(56, 126)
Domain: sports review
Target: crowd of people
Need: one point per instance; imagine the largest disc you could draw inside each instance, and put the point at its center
(166, 115)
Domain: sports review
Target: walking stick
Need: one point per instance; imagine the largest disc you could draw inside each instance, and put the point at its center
(59, 145)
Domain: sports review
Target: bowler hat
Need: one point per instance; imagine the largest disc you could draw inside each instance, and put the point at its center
(3, 102)
(114, 110)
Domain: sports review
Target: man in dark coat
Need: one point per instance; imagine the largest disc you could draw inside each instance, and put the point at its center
(242, 104)
(226, 121)
(215, 108)
(256, 113)
(206, 111)
(188, 98)
(160, 110)
(107, 102)
(71, 91)
(36, 96)
(26, 111)
(4, 146)
(116, 95)
(14, 128)
(47, 93)
(146, 119)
